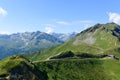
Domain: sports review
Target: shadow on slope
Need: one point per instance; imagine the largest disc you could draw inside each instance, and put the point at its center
(19, 68)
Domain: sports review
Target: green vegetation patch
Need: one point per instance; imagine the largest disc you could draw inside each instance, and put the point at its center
(74, 69)
(19, 68)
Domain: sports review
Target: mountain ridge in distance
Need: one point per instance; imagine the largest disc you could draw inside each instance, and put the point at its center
(64, 36)
(27, 42)
(85, 57)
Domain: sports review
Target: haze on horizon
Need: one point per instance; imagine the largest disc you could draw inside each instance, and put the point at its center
(61, 16)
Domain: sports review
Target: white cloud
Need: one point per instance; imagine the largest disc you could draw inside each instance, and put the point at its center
(114, 17)
(63, 23)
(4, 32)
(3, 11)
(49, 28)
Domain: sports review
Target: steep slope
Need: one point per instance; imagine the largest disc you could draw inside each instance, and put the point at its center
(26, 42)
(88, 56)
(19, 68)
(98, 39)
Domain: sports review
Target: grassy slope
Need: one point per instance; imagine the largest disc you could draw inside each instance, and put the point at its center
(112, 67)
(19, 68)
(62, 48)
(8, 63)
(62, 69)
(105, 39)
(105, 43)
(81, 69)
(108, 43)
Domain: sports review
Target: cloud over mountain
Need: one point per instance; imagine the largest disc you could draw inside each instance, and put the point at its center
(3, 12)
(114, 17)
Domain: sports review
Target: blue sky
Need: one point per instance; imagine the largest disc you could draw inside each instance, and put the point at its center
(61, 16)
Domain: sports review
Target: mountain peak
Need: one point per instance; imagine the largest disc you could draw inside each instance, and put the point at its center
(98, 39)
(110, 26)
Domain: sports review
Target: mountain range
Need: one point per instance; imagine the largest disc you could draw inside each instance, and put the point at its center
(27, 42)
(93, 54)
(98, 39)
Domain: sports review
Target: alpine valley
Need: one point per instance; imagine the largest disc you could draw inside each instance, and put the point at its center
(92, 54)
